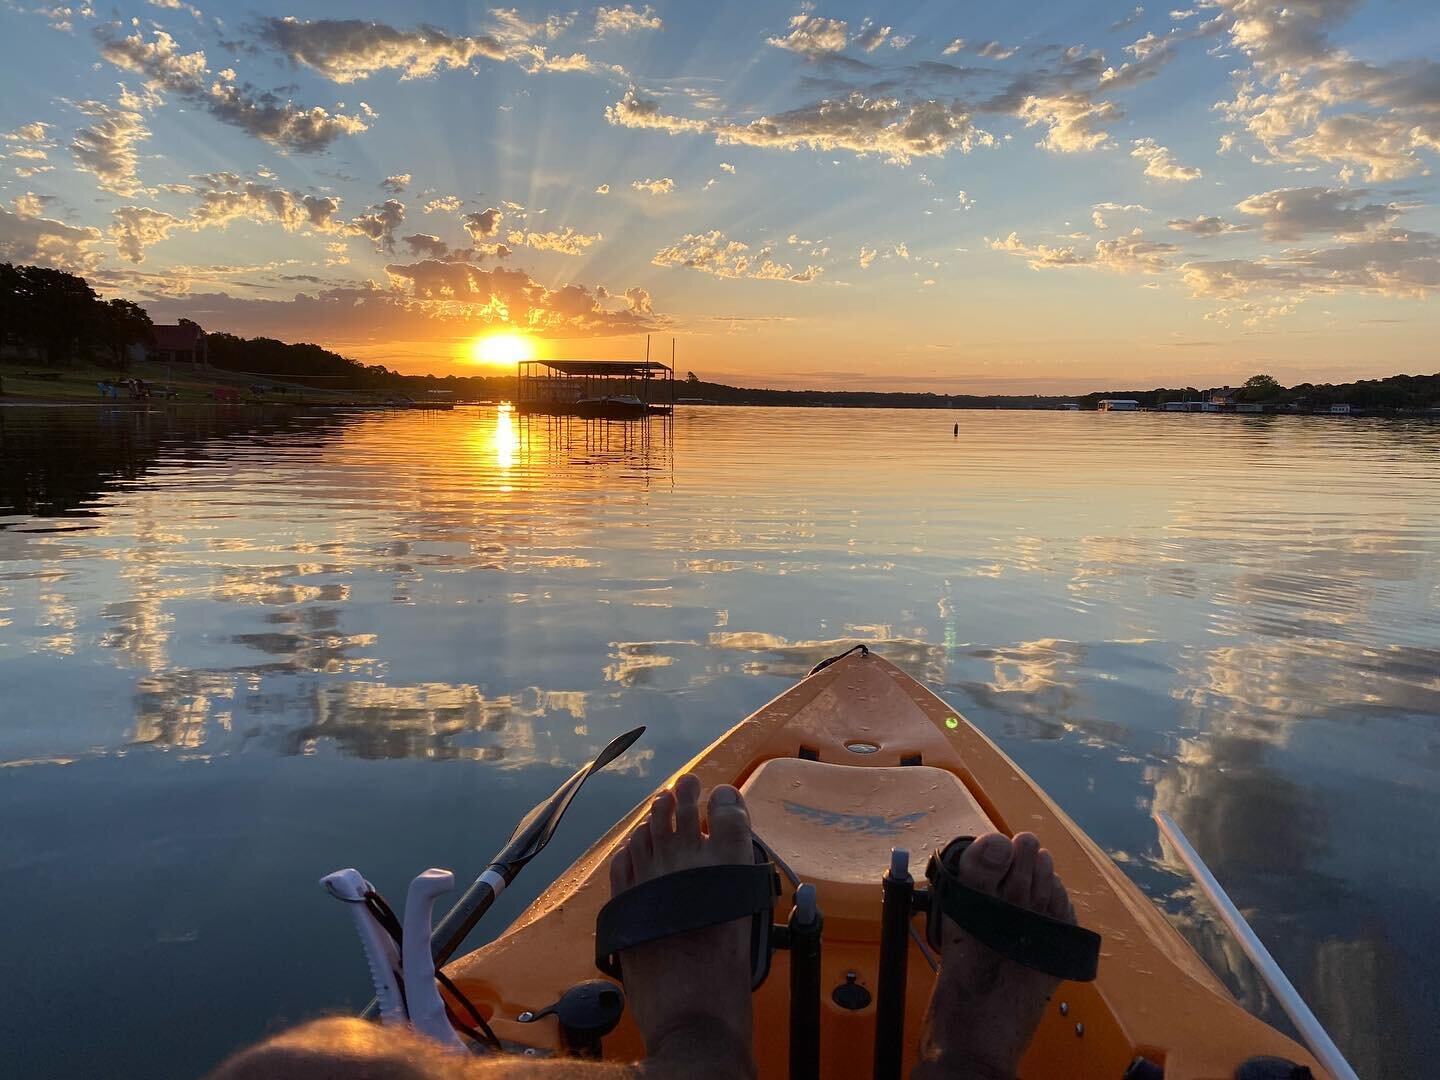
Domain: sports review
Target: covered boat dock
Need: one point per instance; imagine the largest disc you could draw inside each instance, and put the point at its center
(603, 389)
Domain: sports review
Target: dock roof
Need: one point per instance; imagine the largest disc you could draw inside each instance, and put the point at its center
(618, 368)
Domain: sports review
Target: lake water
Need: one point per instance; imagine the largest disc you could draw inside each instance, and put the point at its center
(241, 649)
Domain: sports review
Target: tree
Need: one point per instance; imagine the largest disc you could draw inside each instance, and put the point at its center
(124, 323)
(1262, 388)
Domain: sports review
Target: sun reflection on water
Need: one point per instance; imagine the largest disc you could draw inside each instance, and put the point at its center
(505, 438)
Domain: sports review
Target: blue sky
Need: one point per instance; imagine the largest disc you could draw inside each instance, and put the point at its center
(1049, 196)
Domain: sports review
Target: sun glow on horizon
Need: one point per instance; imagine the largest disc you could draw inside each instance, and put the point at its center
(504, 348)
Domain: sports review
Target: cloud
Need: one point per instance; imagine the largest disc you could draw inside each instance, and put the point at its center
(565, 241)
(871, 38)
(1305, 100)
(885, 126)
(396, 184)
(954, 47)
(1070, 118)
(426, 245)
(380, 222)
(106, 147)
(33, 132)
(1127, 254)
(483, 223)
(466, 294)
(812, 36)
(259, 113)
(443, 203)
(725, 166)
(603, 189)
(1205, 226)
(663, 186)
(32, 205)
(625, 20)
(993, 50)
(639, 300)
(345, 50)
(1128, 20)
(714, 253)
(633, 111)
(226, 197)
(137, 227)
(1385, 261)
(1161, 164)
(1292, 213)
(27, 238)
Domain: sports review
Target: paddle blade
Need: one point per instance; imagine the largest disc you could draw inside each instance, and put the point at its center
(538, 826)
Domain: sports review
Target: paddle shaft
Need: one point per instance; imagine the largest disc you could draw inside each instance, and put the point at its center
(1305, 1021)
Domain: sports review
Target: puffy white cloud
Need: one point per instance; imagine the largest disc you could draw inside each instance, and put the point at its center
(1205, 226)
(1292, 213)
(898, 131)
(603, 189)
(625, 20)
(226, 197)
(33, 132)
(715, 253)
(633, 111)
(663, 186)
(137, 227)
(812, 35)
(483, 223)
(259, 113)
(28, 238)
(344, 50)
(106, 147)
(1385, 261)
(725, 166)
(396, 184)
(954, 47)
(565, 241)
(1161, 164)
(443, 204)
(1127, 254)
(1070, 118)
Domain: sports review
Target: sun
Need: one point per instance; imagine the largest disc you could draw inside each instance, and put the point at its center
(502, 348)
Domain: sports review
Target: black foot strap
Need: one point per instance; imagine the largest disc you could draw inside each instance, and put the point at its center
(690, 900)
(1062, 950)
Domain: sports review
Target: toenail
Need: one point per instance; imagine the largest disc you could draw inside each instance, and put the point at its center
(992, 854)
(725, 796)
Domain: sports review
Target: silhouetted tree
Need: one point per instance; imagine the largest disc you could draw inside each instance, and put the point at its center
(124, 323)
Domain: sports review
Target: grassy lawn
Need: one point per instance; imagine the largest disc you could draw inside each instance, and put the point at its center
(78, 383)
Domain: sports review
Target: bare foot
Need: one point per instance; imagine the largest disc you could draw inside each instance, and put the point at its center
(985, 1008)
(690, 994)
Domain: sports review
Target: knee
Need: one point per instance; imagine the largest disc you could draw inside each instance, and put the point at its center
(338, 1048)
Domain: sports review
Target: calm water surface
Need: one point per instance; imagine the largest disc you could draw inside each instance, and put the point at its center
(239, 650)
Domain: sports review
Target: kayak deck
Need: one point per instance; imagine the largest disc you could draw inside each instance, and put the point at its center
(854, 760)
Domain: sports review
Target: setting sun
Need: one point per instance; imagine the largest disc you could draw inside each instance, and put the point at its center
(502, 349)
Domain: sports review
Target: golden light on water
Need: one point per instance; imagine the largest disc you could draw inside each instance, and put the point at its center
(504, 348)
(505, 437)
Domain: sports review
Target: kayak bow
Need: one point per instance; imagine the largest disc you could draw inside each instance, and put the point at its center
(856, 760)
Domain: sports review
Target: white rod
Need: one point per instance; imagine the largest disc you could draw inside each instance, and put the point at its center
(1315, 1036)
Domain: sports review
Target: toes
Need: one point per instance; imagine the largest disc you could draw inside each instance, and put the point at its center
(1060, 906)
(729, 824)
(1021, 876)
(641, 849)
(984, 862)
(687, 810)
(662, 821)
(1043, 885)
(622, 870)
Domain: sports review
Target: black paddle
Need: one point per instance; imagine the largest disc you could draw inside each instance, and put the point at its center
(528, 840)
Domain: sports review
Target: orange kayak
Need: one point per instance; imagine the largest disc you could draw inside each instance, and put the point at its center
(854, 760)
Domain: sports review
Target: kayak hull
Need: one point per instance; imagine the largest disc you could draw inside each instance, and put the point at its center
(802, 762)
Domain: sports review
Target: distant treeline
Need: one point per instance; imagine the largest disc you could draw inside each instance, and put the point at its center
(1395, 392)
